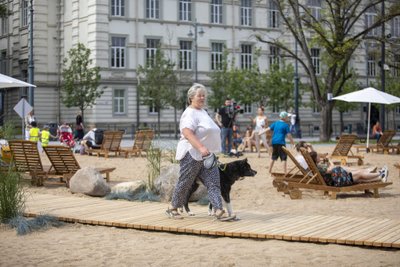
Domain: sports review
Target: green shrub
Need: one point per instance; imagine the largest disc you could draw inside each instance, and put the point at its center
(8, 130)
(154, 166)
(12, 197)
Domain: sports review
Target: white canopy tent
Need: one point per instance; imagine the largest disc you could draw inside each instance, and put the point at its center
(369, 95)
(7, 81)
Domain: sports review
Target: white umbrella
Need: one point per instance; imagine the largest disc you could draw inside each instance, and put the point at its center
(369, 95)
(7, 81)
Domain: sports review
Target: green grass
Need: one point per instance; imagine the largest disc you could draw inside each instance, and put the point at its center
(12, 195)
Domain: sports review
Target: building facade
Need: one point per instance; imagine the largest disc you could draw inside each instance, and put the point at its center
(123, 34)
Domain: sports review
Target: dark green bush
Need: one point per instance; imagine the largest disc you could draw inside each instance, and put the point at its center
(12, 197)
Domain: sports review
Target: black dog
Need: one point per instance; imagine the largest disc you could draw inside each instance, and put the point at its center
(229, 174)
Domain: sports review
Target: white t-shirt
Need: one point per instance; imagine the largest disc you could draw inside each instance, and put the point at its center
(204, 129)
(300, 159)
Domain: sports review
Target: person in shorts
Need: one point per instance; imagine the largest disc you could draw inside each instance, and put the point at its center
(280, 130)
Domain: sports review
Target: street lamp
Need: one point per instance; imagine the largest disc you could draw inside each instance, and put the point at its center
(30, 59)
(296, 94)
(382, 115)
(190, 34)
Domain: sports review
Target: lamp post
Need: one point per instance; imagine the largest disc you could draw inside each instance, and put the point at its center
(31, 66)
(382, 115)
(190, 34)
(296, 94)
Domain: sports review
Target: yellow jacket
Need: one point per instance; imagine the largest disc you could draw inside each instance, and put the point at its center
(34, 134)
(45, 137)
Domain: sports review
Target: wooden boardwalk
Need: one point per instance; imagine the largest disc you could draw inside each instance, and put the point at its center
(378, 232)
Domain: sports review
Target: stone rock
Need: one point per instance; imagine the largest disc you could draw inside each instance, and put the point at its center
(90, 182)
(128, 188)
(166, 182)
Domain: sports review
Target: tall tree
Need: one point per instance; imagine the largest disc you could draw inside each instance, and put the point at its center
(80, 79)
(279, 86)
(337, 32)
(158, 83)
(4, 12)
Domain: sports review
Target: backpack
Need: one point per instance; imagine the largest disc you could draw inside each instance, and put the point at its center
(98, 136)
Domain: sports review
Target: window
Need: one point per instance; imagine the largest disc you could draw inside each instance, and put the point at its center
(396, 66)
(216, 55)
(216, 11)
(248, 109)
(316, 60)
(185, 55)
(316, 108)
(151, 50)
(4, 26)
(153, 109)
(370, 18)
(119, 101)
(395, 29)
(371, 65)
(246, 57)
(273, 12)
(118, 8)
(274, 57)
(245, 12)
(185, 10)
(153, 9)
(398, 110)
(118, 52)
(315, 8)
(3, 62)
(24, 12)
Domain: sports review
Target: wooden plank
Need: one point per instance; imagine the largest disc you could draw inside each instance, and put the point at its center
(369, 238)
(324, 235)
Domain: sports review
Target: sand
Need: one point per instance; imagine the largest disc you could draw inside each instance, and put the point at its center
(82, 245)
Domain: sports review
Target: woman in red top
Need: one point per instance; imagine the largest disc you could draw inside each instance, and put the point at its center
(377, 131)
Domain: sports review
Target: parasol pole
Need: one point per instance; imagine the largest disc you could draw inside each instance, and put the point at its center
(369, 122)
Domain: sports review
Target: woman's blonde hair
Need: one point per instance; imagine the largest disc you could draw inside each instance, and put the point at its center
(193, 91)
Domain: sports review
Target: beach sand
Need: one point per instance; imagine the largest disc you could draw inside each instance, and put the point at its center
(83, 245)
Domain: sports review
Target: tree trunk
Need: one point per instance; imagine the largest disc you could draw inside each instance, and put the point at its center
(325, 128)
(159, 122)
(341, 123)
(175, 123)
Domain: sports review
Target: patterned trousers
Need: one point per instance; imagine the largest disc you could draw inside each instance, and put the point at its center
(190, 169)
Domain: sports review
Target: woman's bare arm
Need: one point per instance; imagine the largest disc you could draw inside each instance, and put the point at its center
(195, 142)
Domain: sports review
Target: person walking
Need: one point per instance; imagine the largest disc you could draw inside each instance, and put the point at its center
(28, 123)
(199, 138)
(280, 130)
(260, 122)
(79, 128)
(225, 118)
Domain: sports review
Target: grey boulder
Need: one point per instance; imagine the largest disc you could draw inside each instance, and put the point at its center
(90, 182)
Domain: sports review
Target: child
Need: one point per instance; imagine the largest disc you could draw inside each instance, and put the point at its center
(34, 132)
(280, 130)
(45, 136)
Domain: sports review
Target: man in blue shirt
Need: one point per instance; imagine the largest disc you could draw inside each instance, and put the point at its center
(280, 131)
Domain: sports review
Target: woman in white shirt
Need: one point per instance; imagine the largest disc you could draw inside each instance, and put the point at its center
(261, 123)
(200, 136)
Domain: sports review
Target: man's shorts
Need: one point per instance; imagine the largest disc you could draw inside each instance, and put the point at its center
(277, 152)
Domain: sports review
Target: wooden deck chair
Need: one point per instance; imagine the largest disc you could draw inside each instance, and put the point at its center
(142, 143)
(295, 174)
(26, 159)
(384, 141)
(111, 143)
(343, 148)
(316, 181)
(64, 162)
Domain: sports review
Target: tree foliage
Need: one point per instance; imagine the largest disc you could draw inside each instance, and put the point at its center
(158, 82)
(4, 12)
(81, 79)
(338, 32)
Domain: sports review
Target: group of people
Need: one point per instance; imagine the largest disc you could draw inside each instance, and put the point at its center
(201, 136)
(42, 136)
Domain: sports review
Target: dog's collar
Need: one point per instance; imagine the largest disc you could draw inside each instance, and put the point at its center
(219, 166)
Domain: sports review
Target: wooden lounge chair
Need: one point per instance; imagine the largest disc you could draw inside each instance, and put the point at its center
(64, 162)
(343, 148)
(111, 143)
(295, 174)
(26, 159)
(142, 143)
(383, 143)
(316, 181)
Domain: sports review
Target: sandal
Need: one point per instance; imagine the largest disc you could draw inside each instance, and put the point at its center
(220, 216)
(173, 214)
